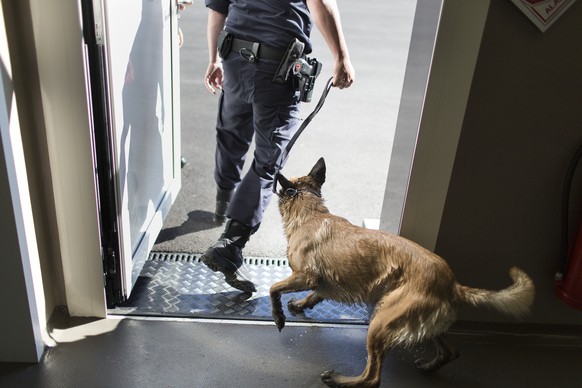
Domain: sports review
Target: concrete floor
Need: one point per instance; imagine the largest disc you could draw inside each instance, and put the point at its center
(184, 353)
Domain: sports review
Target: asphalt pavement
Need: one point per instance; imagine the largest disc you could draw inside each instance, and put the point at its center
(353, 131)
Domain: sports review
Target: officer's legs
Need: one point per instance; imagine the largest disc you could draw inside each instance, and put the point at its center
(234, 133)
(274, 127)
(273, 120)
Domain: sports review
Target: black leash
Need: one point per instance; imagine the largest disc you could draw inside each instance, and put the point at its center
(285, 154)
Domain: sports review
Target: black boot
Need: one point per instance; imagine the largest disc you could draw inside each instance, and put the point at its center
(223, 197)
(225, 256)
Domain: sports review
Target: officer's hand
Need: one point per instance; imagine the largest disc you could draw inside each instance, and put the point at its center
(182, 5)
(344, 74)
(213, 77)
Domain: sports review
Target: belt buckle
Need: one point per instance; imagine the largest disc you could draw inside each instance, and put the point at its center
(250, 54)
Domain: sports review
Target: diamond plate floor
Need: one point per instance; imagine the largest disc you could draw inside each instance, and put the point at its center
(179, 285)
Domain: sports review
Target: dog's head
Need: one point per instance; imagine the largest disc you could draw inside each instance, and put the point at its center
(309, 184)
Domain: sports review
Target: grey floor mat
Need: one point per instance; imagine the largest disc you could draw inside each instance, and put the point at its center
(179, 285)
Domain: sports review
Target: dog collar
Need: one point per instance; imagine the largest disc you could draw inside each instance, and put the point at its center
(292, 192)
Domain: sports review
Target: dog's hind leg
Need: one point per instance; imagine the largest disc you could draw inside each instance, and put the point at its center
(386, 327)
(298, 306)
(445, 353)
(295, 282)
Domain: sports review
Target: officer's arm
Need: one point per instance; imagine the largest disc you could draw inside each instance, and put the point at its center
(213, 75)
(326, 17)
(216, 22)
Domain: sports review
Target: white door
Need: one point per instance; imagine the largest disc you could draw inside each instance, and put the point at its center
(136, 58)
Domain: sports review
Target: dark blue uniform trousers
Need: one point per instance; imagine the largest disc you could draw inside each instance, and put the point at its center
(251, 104)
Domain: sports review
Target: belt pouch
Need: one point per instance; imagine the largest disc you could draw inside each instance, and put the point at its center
(224, 43)
(294, 51)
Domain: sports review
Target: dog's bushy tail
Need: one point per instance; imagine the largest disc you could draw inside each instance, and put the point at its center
(514, 300)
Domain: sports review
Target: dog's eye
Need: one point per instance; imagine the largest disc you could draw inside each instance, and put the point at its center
(291, 192)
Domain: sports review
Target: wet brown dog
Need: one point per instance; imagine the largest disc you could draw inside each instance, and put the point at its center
(414, 291)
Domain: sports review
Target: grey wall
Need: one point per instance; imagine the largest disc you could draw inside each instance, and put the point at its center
(522, 124)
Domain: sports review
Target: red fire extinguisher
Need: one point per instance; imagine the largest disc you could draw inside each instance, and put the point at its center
(569, 289)
(569, 279)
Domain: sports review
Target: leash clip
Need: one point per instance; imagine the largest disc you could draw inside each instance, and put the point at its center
(247, 54)
(250, 54)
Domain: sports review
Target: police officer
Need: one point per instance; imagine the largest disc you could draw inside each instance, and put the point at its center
(251, 103)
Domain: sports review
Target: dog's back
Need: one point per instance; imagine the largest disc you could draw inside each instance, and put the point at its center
(352, 264)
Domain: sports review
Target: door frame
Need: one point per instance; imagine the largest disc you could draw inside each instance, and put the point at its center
(62, 75)
(62, 70)
(66, 99)
(445, 43)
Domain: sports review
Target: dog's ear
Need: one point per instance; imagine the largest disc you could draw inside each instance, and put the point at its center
(284, 182)
(318, 172)
(287, 188)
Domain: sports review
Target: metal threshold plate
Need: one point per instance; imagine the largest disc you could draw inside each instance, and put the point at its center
(179, 285)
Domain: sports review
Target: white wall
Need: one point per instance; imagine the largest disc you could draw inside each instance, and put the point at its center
(21, 292)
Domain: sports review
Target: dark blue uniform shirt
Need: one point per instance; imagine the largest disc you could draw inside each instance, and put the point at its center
(272, 22)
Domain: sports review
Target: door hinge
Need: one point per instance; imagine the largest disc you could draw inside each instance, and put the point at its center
(99, 22)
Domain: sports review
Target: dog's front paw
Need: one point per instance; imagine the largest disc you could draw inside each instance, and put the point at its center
(279, 321)
(329, 378)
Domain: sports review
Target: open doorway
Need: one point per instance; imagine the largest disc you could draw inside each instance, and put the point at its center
(354, 133)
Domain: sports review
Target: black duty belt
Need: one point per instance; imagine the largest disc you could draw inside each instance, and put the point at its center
(254, 50)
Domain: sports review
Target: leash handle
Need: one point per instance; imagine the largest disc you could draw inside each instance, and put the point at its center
(285, 154)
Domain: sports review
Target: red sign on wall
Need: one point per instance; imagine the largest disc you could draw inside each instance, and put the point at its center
(543, 13)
